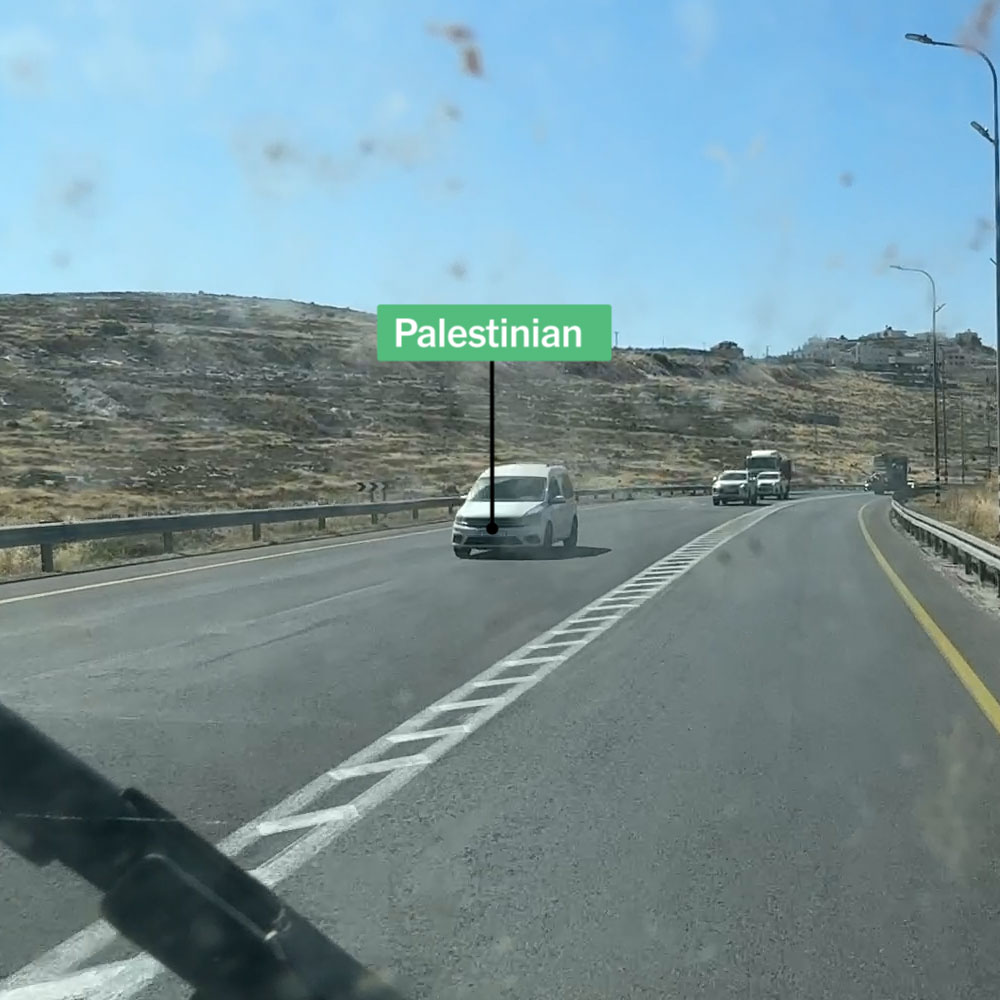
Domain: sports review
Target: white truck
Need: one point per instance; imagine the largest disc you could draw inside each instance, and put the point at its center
(778, 482)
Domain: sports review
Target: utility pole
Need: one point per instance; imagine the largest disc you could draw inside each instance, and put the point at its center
(989, 442)
(944, 419)
(935, 309)
(961, 420)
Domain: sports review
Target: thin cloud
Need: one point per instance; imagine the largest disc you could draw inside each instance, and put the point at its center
(732, 162)
(698, 26)
(719, 154)
(756, 147)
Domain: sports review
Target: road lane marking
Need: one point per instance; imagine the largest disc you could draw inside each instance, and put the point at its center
(464, 706)
(424, 734)
(378, 766)
(961, 667)
(501, 681)
(303, 821)
(46, 975)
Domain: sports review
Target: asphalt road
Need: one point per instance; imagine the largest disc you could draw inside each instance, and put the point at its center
(764, 781)
(222, 690)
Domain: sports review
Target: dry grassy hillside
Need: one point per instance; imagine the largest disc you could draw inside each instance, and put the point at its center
(124, 403)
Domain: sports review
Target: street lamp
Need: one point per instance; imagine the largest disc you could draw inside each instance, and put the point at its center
(934, 372)
(993, 140)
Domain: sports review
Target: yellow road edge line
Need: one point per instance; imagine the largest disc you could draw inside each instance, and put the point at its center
(981, 694)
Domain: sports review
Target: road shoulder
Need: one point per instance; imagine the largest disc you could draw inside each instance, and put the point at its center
(973, 632)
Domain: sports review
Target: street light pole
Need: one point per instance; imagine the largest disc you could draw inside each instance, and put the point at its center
(934, 373)
(994, 140)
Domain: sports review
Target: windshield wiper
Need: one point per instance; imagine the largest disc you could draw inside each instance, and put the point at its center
(163, 886)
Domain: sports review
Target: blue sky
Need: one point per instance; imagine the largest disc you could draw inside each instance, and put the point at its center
(715, 169)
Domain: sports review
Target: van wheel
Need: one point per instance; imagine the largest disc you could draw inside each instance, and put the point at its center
(715, 501)
(570, 542)
(463, 551)
(547, 540)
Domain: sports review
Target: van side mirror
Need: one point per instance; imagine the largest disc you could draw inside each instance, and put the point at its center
(558, 498)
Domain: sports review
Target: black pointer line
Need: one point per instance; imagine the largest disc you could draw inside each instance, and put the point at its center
(491, 528)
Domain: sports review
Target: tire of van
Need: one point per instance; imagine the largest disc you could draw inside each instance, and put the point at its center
(570, 541)
(547, 540)
(463, 551)
(715, 501)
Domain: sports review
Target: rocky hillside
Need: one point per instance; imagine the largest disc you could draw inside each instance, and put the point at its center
(124, 403)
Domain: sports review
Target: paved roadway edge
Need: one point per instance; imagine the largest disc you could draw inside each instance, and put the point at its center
(959, 665)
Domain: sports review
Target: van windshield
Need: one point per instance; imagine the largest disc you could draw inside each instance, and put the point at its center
(511, 488)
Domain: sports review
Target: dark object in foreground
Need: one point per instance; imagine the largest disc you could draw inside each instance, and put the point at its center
(164, 887)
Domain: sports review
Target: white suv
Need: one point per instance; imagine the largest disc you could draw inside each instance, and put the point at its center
(770, 484)
(534, 507)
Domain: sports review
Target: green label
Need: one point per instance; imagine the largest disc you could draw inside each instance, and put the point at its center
(494, 333)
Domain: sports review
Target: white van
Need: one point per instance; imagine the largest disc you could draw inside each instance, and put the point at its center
(534, 507)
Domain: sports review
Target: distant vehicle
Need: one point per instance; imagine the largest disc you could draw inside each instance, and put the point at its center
(890, 473)
(734, 486)
(771, 484)
(771, 460)
(534, 506)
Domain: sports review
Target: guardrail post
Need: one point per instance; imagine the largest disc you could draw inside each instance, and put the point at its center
(168, 542)
(255, 531)
(416, 512)
(322, 524)
(48, 562)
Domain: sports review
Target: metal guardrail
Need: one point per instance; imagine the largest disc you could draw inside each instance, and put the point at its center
(977, 555)
(47, 536)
